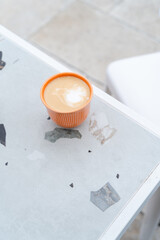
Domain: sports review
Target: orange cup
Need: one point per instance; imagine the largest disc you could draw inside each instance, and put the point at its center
(68, 119)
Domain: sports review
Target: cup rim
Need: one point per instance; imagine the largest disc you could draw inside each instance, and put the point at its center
(65, 74)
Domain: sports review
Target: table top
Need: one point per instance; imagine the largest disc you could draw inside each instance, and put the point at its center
(75, 186)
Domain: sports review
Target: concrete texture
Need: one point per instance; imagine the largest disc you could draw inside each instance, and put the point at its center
(103, 5)
(143, 15)
(133, 231)
(87, 35)
(25, 17)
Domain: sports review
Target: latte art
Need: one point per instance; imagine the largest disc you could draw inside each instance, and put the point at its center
(72, 96)
(66, 94)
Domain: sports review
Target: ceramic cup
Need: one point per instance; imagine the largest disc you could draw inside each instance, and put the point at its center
(68, 119)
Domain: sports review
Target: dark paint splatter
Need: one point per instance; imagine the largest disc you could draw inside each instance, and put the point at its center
(48, 118)
(2, 135)
(71, 185)
(6, 163)
(57, 133)
(89, 151)
(2, 63)
(117, 176)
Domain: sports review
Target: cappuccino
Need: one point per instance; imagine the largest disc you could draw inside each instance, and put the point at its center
(66, 94)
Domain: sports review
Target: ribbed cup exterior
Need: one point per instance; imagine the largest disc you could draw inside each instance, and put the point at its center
(70, 120)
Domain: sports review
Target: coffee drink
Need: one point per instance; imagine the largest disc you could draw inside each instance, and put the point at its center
(66, 94)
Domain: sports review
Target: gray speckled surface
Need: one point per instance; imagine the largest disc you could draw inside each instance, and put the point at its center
(36, 201)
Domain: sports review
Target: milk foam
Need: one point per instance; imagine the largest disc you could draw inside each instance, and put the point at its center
(67, 93)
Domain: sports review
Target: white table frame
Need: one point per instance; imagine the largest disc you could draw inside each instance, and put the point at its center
(134, 205)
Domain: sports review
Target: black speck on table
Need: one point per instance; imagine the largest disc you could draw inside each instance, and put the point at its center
(71, 185)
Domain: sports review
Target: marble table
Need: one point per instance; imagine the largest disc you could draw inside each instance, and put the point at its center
(88, 183)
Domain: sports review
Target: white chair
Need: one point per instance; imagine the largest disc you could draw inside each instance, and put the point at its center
(136, 83)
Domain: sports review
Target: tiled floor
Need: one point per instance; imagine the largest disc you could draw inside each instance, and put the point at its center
(143, 16)
(87, 35)
(89, 40)
(133, 231)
